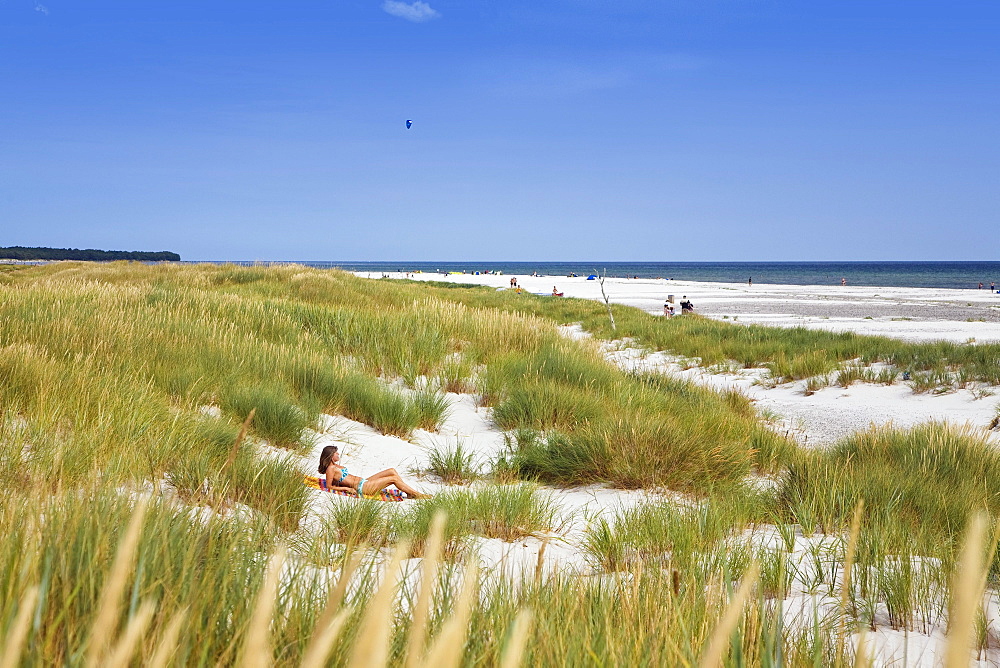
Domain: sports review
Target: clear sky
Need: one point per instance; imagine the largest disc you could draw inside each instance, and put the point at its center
(668, 130)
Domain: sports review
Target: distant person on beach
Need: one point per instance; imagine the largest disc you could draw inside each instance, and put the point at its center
(338, 478)
(993, 286)
(668, 309)
(843, 281)
(980, 285)
(750, 281)
(555, 292)
(686, 306)
(513, 282)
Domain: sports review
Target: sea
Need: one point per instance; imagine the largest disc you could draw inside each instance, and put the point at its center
(888, 274)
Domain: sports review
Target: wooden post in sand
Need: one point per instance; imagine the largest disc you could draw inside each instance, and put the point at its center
(607, 304)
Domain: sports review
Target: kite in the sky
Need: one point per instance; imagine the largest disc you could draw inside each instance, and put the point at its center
(408, 123)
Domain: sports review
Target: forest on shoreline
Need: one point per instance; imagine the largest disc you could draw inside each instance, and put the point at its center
(91, 254)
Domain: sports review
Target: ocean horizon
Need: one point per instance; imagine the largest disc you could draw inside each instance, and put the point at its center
(925, 274)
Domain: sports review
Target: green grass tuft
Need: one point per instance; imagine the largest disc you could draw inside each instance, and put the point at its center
(455, 465)
(277, 418)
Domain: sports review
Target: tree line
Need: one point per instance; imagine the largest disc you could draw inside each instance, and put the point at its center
(30, 253)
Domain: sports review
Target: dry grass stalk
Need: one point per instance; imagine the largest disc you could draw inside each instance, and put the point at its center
(719, 642)
(109, 606)
(966, 596)
(322, 640)
(447, 649)
(122, 652)
(371, 648)
(845, 588)
(428, 579)
(517, 640)
(168, 643)
(14, 642)
(235, 450)
(339, 591)
(861, 658)
(540, 562)
(329, 625)
(257, 646)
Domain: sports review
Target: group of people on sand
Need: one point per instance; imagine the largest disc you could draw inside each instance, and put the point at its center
(686, 307)
(338, 478)
(514, 286)
(993, 286)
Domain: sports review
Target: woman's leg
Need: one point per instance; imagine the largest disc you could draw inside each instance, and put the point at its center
(373, 486)
(388, 473)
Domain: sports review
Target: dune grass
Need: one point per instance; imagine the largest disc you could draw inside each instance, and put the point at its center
(215, 576)
(507, 512)
(291, 342)
(919, 486)
(663, 606)
(363, 522)
(454, 465)
(790, 353)
(662, 534)
(105, 371)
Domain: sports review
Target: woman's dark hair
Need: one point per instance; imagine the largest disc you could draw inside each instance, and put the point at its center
(325, 457)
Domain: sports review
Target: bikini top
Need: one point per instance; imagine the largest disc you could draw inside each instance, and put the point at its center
(343, 474)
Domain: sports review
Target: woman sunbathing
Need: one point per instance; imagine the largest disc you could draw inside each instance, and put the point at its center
(338, 478)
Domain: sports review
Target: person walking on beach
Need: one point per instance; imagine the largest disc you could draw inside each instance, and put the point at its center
(750, 281)
(843, 281)
(993, 286)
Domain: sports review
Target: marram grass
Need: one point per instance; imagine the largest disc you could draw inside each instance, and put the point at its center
(107, 373)
(95, 568)
(125, 355)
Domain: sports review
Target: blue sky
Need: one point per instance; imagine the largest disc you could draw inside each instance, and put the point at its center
(543, 130)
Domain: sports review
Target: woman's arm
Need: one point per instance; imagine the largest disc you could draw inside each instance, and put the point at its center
(334, 483)
(332, 473)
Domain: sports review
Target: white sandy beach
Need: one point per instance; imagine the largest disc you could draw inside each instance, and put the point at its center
(814, 420)
(915, 314)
